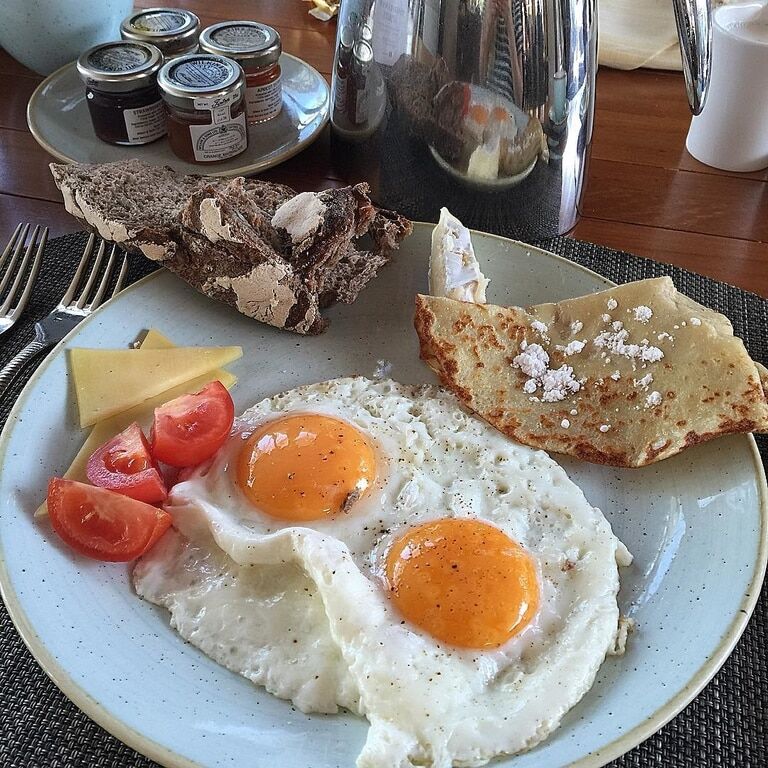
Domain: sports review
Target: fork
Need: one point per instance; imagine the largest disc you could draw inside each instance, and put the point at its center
(14, 304)
(68, 313)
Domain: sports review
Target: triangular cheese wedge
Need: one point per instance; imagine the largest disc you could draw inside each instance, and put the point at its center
(153, 339)
(625, 377)
(109, 381)
(141, 413)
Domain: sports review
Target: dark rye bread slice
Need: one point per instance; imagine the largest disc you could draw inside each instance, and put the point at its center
(220, 237)
(282, 280)
(135, 204)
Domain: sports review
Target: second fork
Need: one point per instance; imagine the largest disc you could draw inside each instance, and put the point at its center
(15, 269)
(70, 311)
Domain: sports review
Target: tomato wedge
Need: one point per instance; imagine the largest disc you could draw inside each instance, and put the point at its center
(125, 465)
(190, 429)
(102, 524)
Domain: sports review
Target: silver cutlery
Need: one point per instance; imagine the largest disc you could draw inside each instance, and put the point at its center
(69, 312)
(16, 269)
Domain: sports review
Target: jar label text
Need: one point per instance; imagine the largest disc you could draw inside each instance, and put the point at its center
(145, 124)
(218, 142)
(263, 102)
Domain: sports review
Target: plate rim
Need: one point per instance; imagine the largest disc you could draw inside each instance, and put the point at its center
(170, 759)
(251, 168)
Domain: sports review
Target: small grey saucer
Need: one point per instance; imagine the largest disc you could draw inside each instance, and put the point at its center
(58, 118)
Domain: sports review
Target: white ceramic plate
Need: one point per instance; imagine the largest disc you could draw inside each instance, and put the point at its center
(58, 118)
(696, 524)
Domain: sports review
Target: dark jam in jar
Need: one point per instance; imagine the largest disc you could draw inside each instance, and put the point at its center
(204, 96)
(173, 30)
(256, 48)
(121, 92)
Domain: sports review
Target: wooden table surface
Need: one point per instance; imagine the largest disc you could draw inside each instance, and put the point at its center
(644, 193)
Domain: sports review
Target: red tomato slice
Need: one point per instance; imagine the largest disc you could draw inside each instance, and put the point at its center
(125, 465)
(191, 428)
(102, 524)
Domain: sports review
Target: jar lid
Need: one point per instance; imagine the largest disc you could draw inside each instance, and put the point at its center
(363, 52)
(347, 37)
(251, 44)
(200, 76)
(173, 30)
(119, 66)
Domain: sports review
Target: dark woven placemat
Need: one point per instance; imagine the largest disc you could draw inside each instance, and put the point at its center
(726, 726)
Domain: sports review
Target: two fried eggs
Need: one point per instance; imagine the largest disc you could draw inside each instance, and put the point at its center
(370, 545)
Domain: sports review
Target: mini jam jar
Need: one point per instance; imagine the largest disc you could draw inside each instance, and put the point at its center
(121, 91)
(256, 48)
(204, 97)
(173, 30)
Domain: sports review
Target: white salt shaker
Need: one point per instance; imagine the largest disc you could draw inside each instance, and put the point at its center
(731, 132)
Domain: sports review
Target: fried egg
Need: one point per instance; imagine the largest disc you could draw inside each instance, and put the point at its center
(372, 546)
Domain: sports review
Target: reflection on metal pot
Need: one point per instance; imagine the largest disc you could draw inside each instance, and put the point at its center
(484, 106)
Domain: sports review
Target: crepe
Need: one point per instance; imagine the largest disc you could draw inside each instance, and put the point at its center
(625, 377)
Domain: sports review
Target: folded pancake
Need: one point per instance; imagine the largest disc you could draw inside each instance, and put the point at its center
(625, 377)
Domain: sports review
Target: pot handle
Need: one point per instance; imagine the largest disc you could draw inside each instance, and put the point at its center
(694, 28)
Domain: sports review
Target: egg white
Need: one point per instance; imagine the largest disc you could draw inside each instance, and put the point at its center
(303, 610)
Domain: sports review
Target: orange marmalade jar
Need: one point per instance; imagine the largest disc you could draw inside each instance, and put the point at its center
(256, 48)
(203, 96)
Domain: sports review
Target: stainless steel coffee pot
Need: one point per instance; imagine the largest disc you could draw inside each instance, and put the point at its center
(483, 106)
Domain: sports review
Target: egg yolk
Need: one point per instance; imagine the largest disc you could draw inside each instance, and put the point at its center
(463, 581)
(306, 467)
(479, 114)
(499, 114)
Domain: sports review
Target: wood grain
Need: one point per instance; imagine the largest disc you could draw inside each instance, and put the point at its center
(644, 193)
(301, 34)
(677, 200)
(24, 167)
(11, 68)
(647, 124)
(13, 108)
(278, 13)
(744, 260)
(52, 215)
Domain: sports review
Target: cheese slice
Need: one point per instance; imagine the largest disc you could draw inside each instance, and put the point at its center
(156, 340)
(109, 381)
(141, 413)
